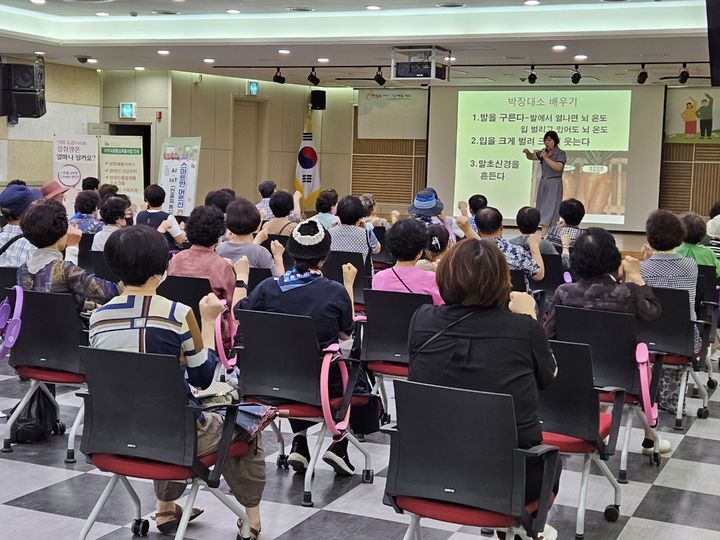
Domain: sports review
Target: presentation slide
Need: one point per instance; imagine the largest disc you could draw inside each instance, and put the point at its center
(493, 128)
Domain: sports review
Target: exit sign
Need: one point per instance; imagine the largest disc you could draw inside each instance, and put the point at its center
(127, 111)
(252, 88)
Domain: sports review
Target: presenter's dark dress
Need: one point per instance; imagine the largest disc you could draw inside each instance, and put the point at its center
(550, 189)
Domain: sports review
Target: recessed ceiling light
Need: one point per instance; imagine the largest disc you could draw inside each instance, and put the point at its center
(450, 58)
(39, 53)
(209, 60)
(373, 8)
(139, 68)
(232, 11)
(323, 60)
(301, 9)
(559, 48)
(92, 61)
(102, 14)
(532, 2)
(284, 51)
(39, 2)
(163, 52)
(580, 57)
(450, 4)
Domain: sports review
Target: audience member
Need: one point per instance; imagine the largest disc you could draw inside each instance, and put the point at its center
(45, 225)
(371, 218)
(351, 235)
(427, 208)
(107, 190)
(157, 218)
(242, 220)
(266, 189)
(86, 203)
(713, 229)
(129, 210)
(406, 240)
(438, 240)
(473, 205)
(528, 221)
(691, 248)
(281, 206)
(54, 191)
(90, 184)
(17, 182)
(572, 213)
(139, 256)
(325, 204)
(14, 202)
(112, 213)
(459, 344)
(489, 225)
(220, 198)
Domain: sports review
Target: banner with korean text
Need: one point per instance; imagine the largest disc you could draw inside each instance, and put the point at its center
(178, 173)
(121, 164)
(74, 157)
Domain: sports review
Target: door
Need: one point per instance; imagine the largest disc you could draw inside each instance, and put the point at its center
(245, 149)
(138, 130)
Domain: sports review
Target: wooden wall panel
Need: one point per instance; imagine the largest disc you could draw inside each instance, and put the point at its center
(706, 187)
(419, 173)
(675, 186)
(707, 152)
(677, 152)
(388, 147)
(389, 178)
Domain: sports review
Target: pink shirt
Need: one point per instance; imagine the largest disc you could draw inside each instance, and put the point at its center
(408, 279)
(203, 262)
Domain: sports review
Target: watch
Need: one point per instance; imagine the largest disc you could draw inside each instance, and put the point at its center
(240, 284)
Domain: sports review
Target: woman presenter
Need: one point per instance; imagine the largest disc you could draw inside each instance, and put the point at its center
(550, 189)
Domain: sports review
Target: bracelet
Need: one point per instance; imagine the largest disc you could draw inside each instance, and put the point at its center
(240, 284)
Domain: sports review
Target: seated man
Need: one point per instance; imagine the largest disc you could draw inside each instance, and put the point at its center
(45, 226)
(157, 218)
(140, 320)
(14, 202)
(474, 204)
(528, 221)
(112, 212)
(86, 203)
(571, 213)
(489, 224)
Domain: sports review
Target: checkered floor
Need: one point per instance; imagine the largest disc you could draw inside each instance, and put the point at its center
(42, 498)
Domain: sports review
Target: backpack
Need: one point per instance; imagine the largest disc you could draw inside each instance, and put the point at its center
(36, 421)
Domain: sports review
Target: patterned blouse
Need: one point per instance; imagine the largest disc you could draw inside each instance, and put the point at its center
(88, 224)
(353, 239)
(517, 258)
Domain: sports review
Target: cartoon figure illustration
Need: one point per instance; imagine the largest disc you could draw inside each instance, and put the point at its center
(704, 114)
(689, 115)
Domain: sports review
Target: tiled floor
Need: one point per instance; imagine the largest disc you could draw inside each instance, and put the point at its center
(42, 498)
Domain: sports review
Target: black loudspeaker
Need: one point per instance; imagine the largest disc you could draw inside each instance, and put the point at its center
(23, 104)
(24, 77)
(317, 100)
(713, 19)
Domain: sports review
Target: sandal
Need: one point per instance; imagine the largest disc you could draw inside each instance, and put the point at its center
(171, 525)
(254, 533)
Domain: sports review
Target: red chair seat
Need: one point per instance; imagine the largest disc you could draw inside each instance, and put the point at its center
(609, 397)
(156, 470)
(389, 368)
(49, 375)
(573, 445)
(305, 410)
(674, 360)
(459, 514)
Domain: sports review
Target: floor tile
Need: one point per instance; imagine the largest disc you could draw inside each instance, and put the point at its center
(600, 493)
(681, 507)
(644, 528)
(691, 476)
(22, 523)
(17, 478)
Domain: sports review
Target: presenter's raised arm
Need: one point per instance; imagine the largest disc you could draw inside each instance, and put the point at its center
(530, 155)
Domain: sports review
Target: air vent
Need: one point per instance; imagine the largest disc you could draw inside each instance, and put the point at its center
(165, 12)
(88, 1)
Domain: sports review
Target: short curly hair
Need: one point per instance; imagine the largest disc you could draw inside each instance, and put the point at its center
(368, 202)
(695, 228)
(664, 230)
(44, 223)
(595, 254)
(715, 210)
(350, 210)
(205, 226)
(87, 202)
(112, 209)
(407, 239)
(281, 203)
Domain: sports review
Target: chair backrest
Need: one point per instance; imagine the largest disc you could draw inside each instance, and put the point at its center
(84, 250)
(281, 357)
(288, 261)
(186, 290)
(51, 333)
(570, 405)
(385, 338)
(137, 407)
(332, 269)
(518, 281)
(8, 278)
(707, 284)
(485, 457)
(553, 273)
(101, 268)
(383, 256)
(612, 337)
(256, 276)
(673, 332)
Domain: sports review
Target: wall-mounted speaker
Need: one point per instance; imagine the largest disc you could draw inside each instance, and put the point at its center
(317, 100)
(23, 104)
(24, 77)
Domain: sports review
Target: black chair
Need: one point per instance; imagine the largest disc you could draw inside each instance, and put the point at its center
(382, 259)
(130, 436)
(480, 482)
(332, 269)
(707, 308)
(518, 281)
(288, 261)
(257, 276)
(385, 335)
(8, 277)
(46, 352)
(291, 370)
(186, 290)
(672, 337)
(553, 276)
(84, 250)
(100, 267)
(620, 361)
(572, 421)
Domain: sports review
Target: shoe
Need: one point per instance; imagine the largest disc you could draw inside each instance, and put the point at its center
(299, 457)
(254, 533)
(548, 533)
(337, 457)
(170, 526)
(664, 445)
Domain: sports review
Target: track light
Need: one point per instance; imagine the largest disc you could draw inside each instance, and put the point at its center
(576, 76)
(684, 75)
(378, 78)
(532, 78)
(313, 78)
(643, 75)
(278, 77)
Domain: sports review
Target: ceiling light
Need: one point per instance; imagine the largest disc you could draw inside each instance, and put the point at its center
(559, 48)
(450, 58)
(102, 14)
(378, 78)
(373, 8)
(580, 57)
(209, 60)
(39, 53)
(643, 75)
(284, 51)
(278, 77)
(450, 4)
(313, 78)
(323, 60)
(92, 61)
(139, 68)
(576, 75)
(532, 78)
(232, 11)
(163, 52)
(39, 2)
(684, 75)
(531, 2)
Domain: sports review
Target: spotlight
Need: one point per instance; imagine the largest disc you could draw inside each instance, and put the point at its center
(313, 78)
(684, 75)
(278, 77)
(532, 78)
(576, 76)
(379, 77)
(643, 75)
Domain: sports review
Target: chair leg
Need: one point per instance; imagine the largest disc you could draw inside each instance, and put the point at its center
(307, 494)
(412, 529)
(622, 477)
(235, 508)
(419, 533)
(48, 393)
(703, 412)
(282, 460)
(90, 521)
(616, 486)
(187, 511)
(70, 457)
(133, 495)
(34, 385)
(655, 437)
(580, 519)
(681, 400)
(383, 392)
(367, 474)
